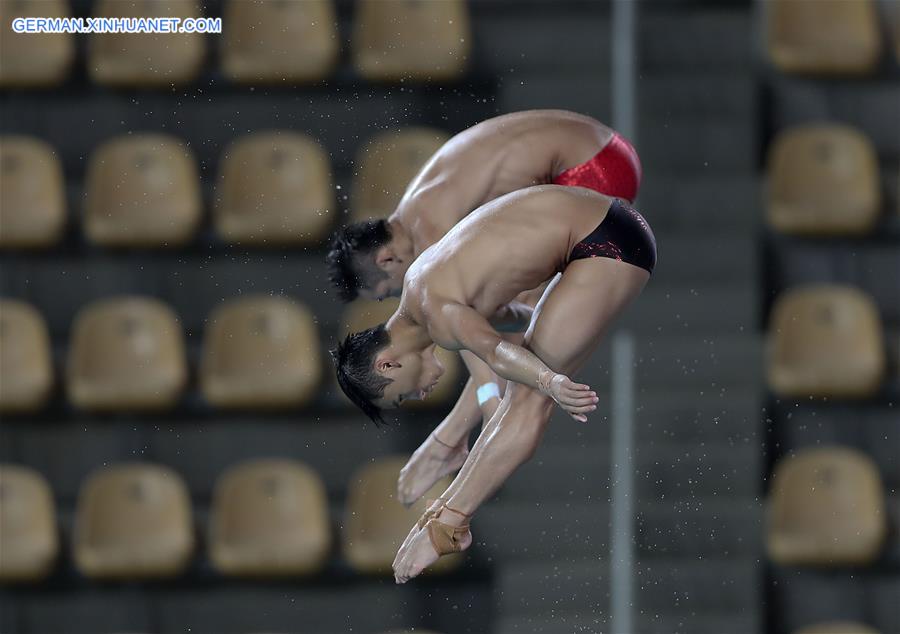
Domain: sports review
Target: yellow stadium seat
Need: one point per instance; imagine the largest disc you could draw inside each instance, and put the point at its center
(823, 179)
(26, 362)
(375, 523)
(274, 188)
(29, 541)
(32, 193)
(825, 341)
(133, 521)
(126, 353)
(826, 509)
(394, 40)
(363, 314)
(837, 627)
(387, 164)
(142, 191)
(34, 59)
(145, 59)
(261, 352)
(269, 518)
(838, 37)
(273, 41)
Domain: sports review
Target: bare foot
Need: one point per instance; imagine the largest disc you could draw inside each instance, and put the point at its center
(417, 553)
(431, 462)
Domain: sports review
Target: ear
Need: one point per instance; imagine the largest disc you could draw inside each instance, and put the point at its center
(385, 258)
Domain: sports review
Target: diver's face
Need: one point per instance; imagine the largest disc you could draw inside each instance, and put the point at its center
(388, 287)
(414, 375)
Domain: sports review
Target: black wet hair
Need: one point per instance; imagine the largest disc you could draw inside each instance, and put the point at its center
(354, 363)
(350, 244)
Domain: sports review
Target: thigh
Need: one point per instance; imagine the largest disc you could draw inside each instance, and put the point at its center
(577, 310)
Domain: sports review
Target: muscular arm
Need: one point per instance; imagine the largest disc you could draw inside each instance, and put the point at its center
(513, 362)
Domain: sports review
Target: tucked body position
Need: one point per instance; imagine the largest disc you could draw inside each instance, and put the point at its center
(498, 156)
(455, 295)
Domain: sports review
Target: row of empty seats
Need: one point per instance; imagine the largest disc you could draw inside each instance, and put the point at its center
(823, 180)
(836, 37)
(263, 41)
(826, 508)
(826, 340)
(144, 190)
(128, 353)
(268, 518)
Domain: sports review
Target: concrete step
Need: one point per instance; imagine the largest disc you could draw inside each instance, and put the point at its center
(669, 95)
(598, 623)
(663, 416)
(871, 106)
(677, 310)
(498, 38)
(696, 144)
(200, 451)
(584, 91)
(872, 267)
(806, 596)
(700, 203)
(727, 259)
(671, 587)
(551, 531)
(698, 364)
(716, 40)
(581, 475)
(873, 430)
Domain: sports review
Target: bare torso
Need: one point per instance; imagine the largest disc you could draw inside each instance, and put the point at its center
(491, 159)
(507, 246)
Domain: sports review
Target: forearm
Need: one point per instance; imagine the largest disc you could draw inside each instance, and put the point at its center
(489, 387)
(464, 416)
(515, 363)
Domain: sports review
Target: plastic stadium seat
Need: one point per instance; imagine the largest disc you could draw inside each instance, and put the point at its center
(126, 353)
(145, 59)
(411, 39)
(26, 362)
(34, 59)
(276, 41)
(29, 541)
(837, 627)
(375, 523)
(387, 164)
(835, 37)
(133, 521)
(363, 314)
(823, 179)
(32, 193)
(826, 508)
(274, 188)
(825, 340)
(269, 517)
(142, 191)
(261, 352)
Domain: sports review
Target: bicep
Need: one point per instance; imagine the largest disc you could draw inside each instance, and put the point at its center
(471, 331)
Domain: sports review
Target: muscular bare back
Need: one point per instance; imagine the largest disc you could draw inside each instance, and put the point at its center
(512, 244)
(491, 159)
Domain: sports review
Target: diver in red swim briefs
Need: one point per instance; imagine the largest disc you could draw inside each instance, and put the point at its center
(495, 157)
(484, 162)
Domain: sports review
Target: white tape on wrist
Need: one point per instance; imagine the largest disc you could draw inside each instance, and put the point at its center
(486, 392)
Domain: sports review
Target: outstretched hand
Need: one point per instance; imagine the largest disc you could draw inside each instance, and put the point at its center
(575, 398)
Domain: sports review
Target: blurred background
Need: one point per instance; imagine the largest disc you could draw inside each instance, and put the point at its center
(175, 456)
